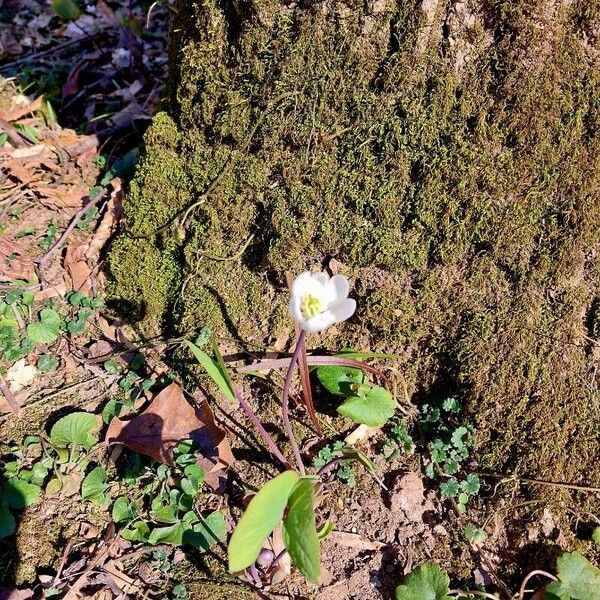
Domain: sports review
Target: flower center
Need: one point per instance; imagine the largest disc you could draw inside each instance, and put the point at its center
(310, 306)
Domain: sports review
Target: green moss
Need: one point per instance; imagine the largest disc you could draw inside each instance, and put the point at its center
(144, 262)
(461, 197)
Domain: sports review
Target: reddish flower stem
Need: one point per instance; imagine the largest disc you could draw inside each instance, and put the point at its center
(285, 402)
(263, 432)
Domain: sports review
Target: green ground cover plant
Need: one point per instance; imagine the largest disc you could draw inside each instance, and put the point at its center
(576, 579)
(28, 330)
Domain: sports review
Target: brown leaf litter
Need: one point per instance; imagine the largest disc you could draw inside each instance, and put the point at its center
(169, 419)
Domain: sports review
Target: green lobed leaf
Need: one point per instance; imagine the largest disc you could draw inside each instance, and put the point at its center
(209, 531)
(18, 494)
(38, 474)
(474, 534)
(47, 363)
(300, 533)
(339, 380)
(427, 582)
(188, 487)
(111, 366)
(459, 437)
(451, 405)
(8, 524)
(263, 514)
(578, 578)
(165, 513)
(78, 428)
(173, 534)
(213, 371)
(47, 329)
(94, 486)
(373, 408)
(471, 484)
(136, 532)
(123, 510)
(450, 488)
(111, 410)
(124, 167)
(195, 473)
(66, 9)
(27, 298)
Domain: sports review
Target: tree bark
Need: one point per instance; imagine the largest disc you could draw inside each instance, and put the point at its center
(443, 155)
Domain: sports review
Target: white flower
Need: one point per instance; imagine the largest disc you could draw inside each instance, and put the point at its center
(319, 301)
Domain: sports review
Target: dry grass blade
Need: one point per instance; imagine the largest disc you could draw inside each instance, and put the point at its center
(312, 361)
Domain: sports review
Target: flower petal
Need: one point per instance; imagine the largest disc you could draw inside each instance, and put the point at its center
(319, 323)
(295, 310)
(343, 310)
(311, 284)
(341, 287)
(321, 277)
(300, 283)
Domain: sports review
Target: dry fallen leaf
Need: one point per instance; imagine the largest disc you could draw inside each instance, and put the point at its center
(20, 375)
(168, 420)
(283, 569)
(124, 583)
(361, 433)
(65, 486)
(107, 226)
(15, 594)
(62, 196)
(14, 261)
(19, 109)
(78, 269)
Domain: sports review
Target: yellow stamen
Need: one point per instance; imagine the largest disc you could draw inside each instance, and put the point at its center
(310, 306)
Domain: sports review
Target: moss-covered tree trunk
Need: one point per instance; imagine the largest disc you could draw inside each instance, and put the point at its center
(443, 155)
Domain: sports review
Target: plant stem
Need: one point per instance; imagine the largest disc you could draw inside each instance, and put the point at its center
(559, 484)
(263, 432)
(63, 238)
(285, 402)
(461, 593)
(521, 593)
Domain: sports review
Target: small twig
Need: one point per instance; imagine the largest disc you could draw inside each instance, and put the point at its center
(225, 167)
(59, 243)
(47, 395)
(63, 562)
(10, 398)
(235, 256)
(73, 592)
(13, 134)
(559, 484)
(509, 507)
(57, 48)
(580, 514)
(521, 593)
(17, 317)
(285, 402)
